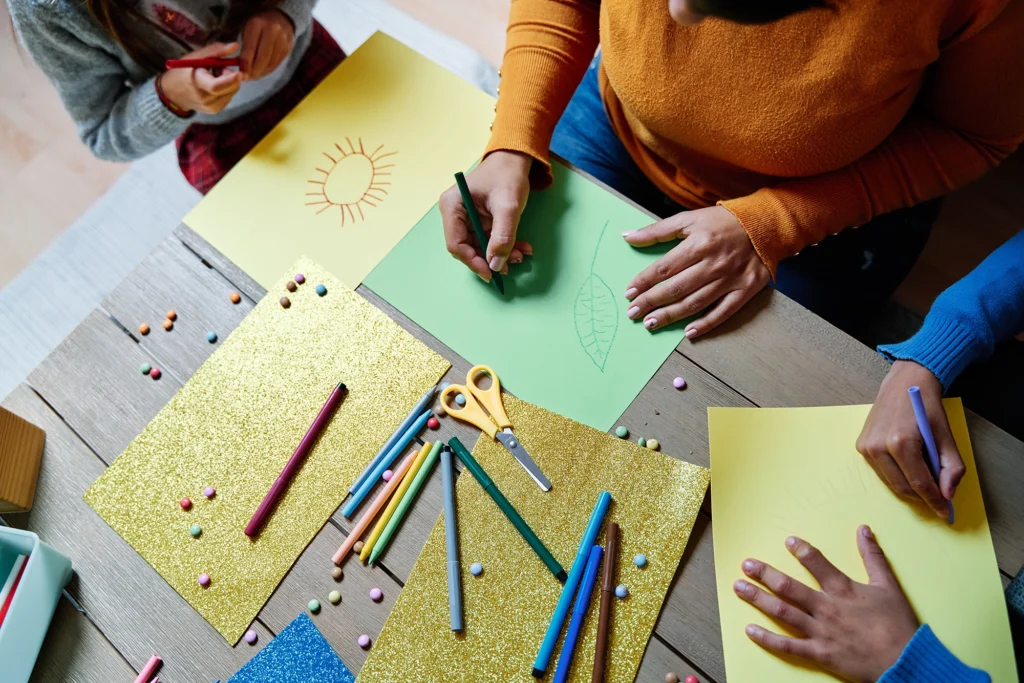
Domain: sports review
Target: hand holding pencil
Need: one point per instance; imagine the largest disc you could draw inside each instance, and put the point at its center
(201, 89)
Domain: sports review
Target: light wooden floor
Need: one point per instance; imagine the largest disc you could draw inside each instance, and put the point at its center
(47, 178)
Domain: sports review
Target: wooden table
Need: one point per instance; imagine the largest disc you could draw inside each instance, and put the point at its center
(92, 401)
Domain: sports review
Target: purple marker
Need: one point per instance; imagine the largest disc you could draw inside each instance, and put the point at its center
(929, 439)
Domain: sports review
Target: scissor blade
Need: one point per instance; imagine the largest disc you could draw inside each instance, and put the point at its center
(509, 441)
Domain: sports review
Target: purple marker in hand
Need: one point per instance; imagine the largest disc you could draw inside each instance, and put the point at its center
(929, 439)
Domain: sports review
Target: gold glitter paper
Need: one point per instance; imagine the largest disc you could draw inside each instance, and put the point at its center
(235, 424)
(655, 499)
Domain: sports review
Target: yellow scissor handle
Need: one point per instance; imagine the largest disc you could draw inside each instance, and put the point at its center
(489, 397)
(471, 412)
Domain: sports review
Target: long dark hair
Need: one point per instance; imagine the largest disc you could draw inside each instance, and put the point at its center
(118, 17)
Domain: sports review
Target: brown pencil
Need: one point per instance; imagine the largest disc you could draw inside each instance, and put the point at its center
(607, 588)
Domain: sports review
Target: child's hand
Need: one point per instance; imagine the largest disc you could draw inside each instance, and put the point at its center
(267, 39)
(198, 89)
(854, 630)
(892, 444)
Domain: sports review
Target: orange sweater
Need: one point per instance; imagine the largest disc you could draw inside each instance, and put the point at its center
(800, 128)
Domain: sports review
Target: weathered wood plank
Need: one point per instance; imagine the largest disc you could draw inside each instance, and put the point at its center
(134, 608)
(659, 660)
(75, 650)
(232, 273)
(173, 278)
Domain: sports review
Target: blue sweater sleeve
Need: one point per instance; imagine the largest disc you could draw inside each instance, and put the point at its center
(926, 660)
(971, 317)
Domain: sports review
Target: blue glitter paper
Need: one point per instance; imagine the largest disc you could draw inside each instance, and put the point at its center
(299, 654)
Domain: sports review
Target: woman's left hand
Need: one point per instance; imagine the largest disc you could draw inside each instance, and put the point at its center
(854, 630)
(267, 39)
(715, 262)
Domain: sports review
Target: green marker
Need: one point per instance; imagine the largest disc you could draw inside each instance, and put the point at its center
(478, 228)
(403, 505)
(520, 524)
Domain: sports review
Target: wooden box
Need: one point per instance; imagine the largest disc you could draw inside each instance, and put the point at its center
(21, 449)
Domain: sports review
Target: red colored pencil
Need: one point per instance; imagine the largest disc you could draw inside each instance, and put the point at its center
(207, 63)
(10, 596)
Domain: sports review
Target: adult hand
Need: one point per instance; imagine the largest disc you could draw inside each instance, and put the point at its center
(892, 444)
(500, 185)
(267, 39)
(854, 630)
(199, 89)
(714, 264)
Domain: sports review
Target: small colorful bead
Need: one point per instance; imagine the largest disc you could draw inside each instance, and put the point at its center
(671, 677)
(204, 580)
(291, 286)
(641, 442)
(476, 569)
(460, 399)
(211, 337)
(186, 503)
(621, 432)
(387, 475)
(168, 324)
(433, 423)
(439, 411)
(640, 560)
(155, 373)
(171, 315)
(334, 597)
(321, 290)
(209, 492)
(357, 547)
(195, 530)
(285, 302)
(376, 594)
(143, 329)
(691, 679)
(300, 278)
(679, 383)
(314, 606)
(621, 591)
(337, 573)
(145, 368)
(364, 641)
(653, 444)
(250, 637)
(235, 297)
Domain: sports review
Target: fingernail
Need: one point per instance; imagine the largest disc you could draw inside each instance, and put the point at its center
(740, 586)
(748, 565)
(791, 542)
(630, 293)
(752, 630)
(865, 531)
(497, 263)
(691, 333)
(633, 312)
(650, 323)
(515, 259)
(628, 233)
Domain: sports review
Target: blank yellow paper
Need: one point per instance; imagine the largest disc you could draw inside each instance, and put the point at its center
(794, 471)
(351, 169)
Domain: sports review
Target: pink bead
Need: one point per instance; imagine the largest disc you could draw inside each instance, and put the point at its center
(204, 580)
(300, 278)
(679, 383)
(186, 503)
(376, 594)
(691, 679)
(433, 423)
(387, 475)
(155, 373)
(364, 641)
(209, 492)
(250, 636)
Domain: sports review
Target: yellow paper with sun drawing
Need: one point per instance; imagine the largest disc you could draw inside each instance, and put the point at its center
(351, 169)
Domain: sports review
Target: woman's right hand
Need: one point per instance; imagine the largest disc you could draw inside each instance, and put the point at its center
(199, 89)
(500, 185)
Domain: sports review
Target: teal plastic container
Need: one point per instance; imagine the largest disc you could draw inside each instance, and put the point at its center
(46, 574)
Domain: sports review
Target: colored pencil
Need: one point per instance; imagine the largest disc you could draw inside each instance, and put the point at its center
(547, 646)
(11, 576)
(579, 610)
(149, 669)
(259, 518)
(6, 605)
(607, 588)
(407, 499)
(385, 516)
(478, 228)
(415, 428)
(929, 439)
(386, 448)
(513, 516)
(204, 63)
(371, 512)
(451, 540)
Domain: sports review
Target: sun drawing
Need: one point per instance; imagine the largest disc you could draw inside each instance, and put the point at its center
(354, 177)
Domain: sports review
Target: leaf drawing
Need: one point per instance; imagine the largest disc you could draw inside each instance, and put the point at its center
(596, 313)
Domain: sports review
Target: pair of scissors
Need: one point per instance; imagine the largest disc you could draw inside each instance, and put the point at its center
(485, 410)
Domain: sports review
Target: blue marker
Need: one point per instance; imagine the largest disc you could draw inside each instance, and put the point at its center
(579, 610)
(396, 450)
(547, 647)
(393, 439)
(929, 439)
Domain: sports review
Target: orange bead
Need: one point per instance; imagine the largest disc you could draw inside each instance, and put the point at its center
(168, 325)
(172, 315)
(143, 329)
(235, 297)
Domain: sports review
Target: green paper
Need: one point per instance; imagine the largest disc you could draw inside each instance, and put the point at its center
(559, 337)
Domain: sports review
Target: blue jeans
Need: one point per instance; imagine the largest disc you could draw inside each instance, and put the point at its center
(841, 278)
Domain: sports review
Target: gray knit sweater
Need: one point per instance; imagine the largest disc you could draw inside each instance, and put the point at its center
(111, 98)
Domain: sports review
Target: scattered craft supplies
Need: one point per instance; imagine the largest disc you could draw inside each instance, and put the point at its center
(777, 469)
(235, 424)
(299, 654)
(508, 609)
(350, 169)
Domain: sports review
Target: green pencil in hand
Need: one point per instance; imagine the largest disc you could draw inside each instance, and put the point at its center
(478, 228)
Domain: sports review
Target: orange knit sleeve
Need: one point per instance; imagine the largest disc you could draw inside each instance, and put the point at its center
(549, 45)
(966, 120)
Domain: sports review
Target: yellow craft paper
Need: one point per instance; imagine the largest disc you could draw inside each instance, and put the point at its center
(417, 121)
(235, 424)
(655, 500)
(795, 471)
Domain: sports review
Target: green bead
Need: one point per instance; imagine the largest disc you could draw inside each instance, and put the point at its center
(145, 368)
(641, 442)
(314, 606)
(621, 432)
(195, 530)
(334, 597)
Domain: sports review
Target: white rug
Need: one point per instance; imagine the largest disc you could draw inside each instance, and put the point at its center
(44, 302)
